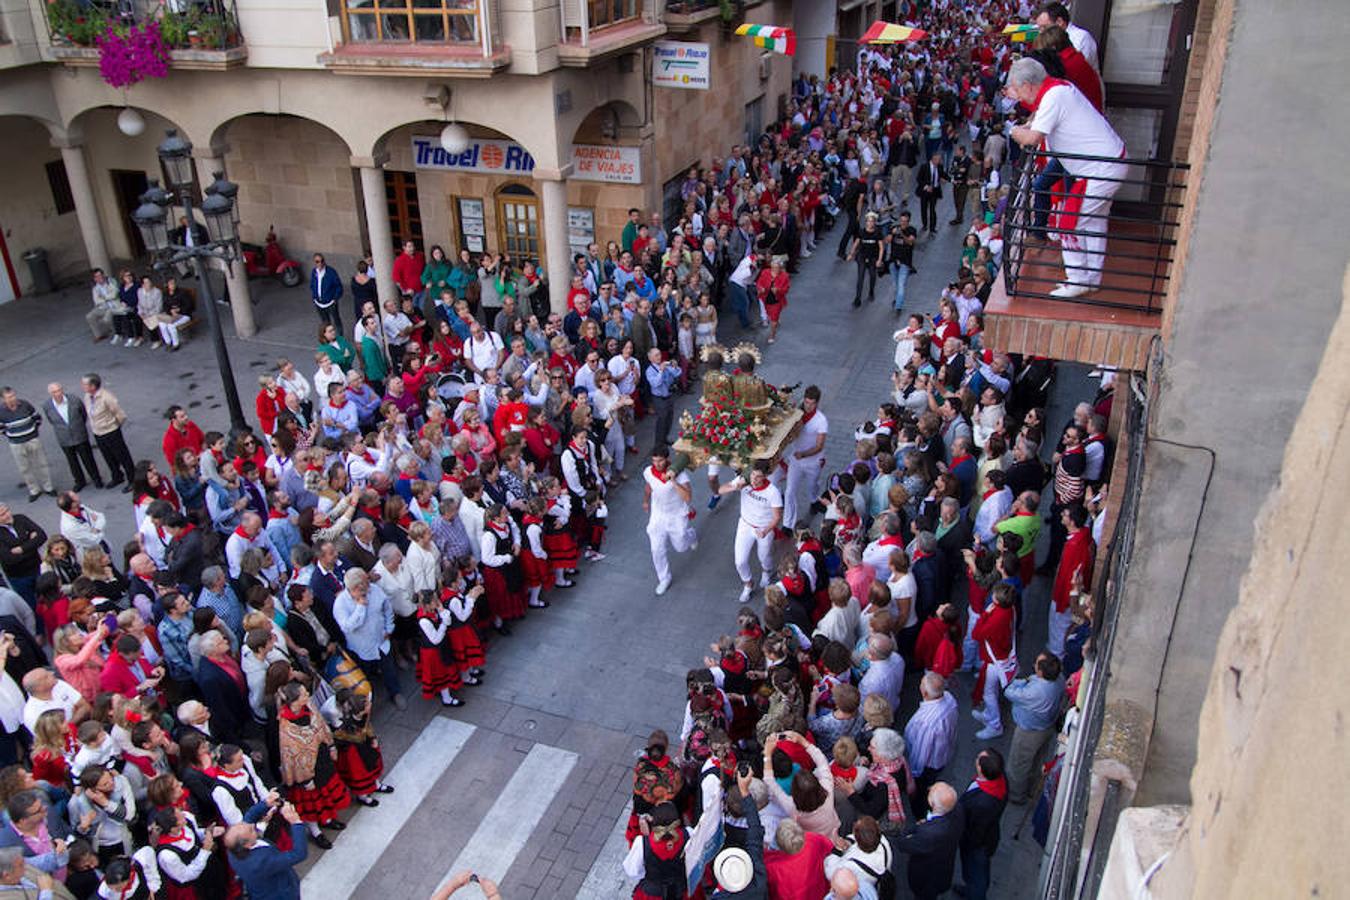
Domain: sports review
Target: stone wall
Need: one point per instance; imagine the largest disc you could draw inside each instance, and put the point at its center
(297, 175)
(27, 208)
(695, 126)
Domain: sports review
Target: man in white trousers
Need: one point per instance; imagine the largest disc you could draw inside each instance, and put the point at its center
(806, 456)
(1066, 122)
(761, 514)
(670, 524)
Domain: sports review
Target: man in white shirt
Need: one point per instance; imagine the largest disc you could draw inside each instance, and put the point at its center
(885, 673)
(994, 506)
(1081, 38)
(585, 377)
(45, 691)
(483, 350)
(362, 465)
(666, 497)
(806, 456)
(761, 514)
(1067, 123)
(250, 535)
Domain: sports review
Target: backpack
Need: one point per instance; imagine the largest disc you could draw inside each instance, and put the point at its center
(885, 879)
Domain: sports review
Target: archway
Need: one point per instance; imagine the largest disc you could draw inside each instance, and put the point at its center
(36, 206)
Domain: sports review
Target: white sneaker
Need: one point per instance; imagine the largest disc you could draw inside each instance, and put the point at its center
(806, 254)
(115, 340)
(1065, 291)
(989, 733)
(154, 345)
(693, 546)
(745, 594)
(977, 714)
(662, 587)
(764, 580)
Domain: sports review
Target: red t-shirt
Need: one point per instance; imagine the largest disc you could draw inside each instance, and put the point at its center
(799, 876)
(408, 271)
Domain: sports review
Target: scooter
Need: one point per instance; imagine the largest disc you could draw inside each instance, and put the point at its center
(270, 260)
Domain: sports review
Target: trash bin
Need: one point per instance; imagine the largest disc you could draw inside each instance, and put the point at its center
(39, 270)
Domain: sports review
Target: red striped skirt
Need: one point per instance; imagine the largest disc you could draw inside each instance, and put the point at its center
(561, 548)
(538, 572)
(360, 766)
(505, 604)
(466, 648)
(322, 802)
(435, 674)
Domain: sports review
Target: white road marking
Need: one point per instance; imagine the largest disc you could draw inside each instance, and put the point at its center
(606, 880)
(506, 828)
(337, 875)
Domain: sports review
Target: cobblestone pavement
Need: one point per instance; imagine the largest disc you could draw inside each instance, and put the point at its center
(570, 697)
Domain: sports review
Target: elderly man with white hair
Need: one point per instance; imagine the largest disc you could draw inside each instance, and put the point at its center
(931, 736)
(248, 535)
(1064, 121)
(933, 843)
(885, 672)
(366, 617)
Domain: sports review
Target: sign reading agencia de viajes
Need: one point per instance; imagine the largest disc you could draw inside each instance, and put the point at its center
(679, 64)
(590, 162)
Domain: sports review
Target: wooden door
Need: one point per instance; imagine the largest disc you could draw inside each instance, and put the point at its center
(405, 212)
(128, 186)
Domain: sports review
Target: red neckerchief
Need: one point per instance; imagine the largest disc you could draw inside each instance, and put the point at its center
(338, 405)
(660, 475)
(668, 850)
(275, 514)
(886, 423)
(734, 662)
(997, 788)
(795, 584)
(957, 460)
(405, 521)
(989, 493)
(186, 528)
(501, 529)
(809, 545)
(291, 715)
(530, 519)
(809, 416)
(1045, 86)
(373, 512)
(1096, 438)
(891, 540)
(159, 530)
(761, 487)
(424, 613)
(366, 455)
(1024, 513)
(219, 456)
(243, 534)
(919, 554)
(581, 449)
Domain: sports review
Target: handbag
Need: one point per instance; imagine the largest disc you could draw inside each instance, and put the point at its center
(885, 879)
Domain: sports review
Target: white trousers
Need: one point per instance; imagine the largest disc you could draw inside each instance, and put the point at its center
(1084, 262)
(666, 534)
(1058, 627)
(801, 473)
(745, 541)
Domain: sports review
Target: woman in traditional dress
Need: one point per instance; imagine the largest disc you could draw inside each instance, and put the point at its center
(309, 763)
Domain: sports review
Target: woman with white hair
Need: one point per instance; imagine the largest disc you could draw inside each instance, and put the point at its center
(889, 781)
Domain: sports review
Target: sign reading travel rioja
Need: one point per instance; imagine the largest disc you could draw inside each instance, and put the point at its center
(679, 64)
(590, 162)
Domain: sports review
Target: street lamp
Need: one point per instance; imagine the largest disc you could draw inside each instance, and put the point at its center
(222, 230)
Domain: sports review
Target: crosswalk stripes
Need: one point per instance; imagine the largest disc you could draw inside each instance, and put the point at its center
(503, 832)
(337, 875)
(605, 880)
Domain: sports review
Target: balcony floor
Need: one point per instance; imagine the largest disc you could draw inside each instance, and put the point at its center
(1087, 332)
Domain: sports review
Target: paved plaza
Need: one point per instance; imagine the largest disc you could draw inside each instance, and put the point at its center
(529, 781)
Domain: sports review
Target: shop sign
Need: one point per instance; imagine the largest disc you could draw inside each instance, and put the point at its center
(482, 155)
(619, 165)
(580, 228)
(679, 64)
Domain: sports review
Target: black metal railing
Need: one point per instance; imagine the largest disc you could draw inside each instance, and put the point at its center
(1063, 858)
(1140, 220)
(183, 24)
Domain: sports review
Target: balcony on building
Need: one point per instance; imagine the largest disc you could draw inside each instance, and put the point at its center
(199, 35)
(456, 38)
(595, 29)
(683, 16)
(1116, 323)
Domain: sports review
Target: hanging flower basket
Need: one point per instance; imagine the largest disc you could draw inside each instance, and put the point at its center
(129, 56)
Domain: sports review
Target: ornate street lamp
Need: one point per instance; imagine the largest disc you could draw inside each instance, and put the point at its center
(222, 230)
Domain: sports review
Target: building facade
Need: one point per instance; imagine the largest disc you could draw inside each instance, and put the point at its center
(329, 115)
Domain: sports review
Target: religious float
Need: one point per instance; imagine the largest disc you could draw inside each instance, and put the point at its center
(741, 418)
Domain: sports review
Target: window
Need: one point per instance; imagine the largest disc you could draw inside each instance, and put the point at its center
(754, 120)
(60, 185)
(405, 210)
(518, 223)
(421, 21)
(603, 13)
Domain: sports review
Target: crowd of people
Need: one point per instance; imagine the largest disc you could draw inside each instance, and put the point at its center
(912, 563)
(187, 709)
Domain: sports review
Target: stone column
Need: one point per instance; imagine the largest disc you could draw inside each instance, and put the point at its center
(557, 252)
(86, 208)
(211, 160)
(377, 223)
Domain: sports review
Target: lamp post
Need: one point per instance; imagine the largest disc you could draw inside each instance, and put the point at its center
(222, 243)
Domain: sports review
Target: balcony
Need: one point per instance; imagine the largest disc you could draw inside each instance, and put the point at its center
(1115, 323)
(595, 29)
(198, 35)
(684, 16)
(427, 37)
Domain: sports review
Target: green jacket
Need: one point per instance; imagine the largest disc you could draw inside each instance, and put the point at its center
(436, 276)
(458, 280)
(372, 359)
(341, 352)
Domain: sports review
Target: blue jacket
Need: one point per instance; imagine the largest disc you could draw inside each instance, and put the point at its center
(268, 873)
(330, 291)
